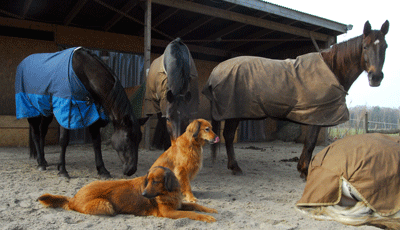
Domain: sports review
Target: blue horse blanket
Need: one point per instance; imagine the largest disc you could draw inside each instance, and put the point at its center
(46, 84)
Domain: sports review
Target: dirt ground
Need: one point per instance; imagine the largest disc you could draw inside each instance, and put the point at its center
(263, 198)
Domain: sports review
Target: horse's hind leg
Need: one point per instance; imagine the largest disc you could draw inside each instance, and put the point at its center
(216, 129)
(38, 127)
(229, 135)
(64, 141)
(309, 145)
(94, 130)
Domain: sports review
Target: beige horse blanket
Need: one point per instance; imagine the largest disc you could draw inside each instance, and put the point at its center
(156, 88)
(369, 162)
(303, 90)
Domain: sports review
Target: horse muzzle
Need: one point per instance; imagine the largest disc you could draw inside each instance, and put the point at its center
(375, 79)
(129, 170)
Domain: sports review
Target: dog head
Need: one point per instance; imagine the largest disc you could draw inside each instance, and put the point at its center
(159, 181)
(201, 130)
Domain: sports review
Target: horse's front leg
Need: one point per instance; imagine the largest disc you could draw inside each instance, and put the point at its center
(229, 136)
(64, 141)
(94, 130)
(309, 145)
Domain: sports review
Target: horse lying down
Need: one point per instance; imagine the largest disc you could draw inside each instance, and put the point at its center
(355, 181)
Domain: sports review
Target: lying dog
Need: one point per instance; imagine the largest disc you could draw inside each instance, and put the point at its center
(156, 194)
(185, 156)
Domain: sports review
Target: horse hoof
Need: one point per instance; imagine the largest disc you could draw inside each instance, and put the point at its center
(42, 168)
(105, 175)
(237, 172)
(64, 175)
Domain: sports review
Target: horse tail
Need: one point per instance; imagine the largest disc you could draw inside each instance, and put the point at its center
(177, 66)
(216, 126)
(54, 201)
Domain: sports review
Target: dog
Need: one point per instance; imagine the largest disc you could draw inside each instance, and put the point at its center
(185, 156)
(156, 194)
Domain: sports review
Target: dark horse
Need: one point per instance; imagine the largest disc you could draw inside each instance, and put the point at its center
(92, 87)
(172, 91)
(254, 88)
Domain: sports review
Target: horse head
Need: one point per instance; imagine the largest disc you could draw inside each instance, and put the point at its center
(373, 54)
(125, 140)
(177, 113)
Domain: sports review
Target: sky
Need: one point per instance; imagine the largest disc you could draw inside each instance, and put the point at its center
(356, 13)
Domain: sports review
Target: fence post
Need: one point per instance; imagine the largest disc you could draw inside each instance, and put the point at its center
(366, 123)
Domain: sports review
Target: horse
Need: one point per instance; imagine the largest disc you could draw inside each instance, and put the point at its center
(92, 91)
(245, 88)
(172, 91)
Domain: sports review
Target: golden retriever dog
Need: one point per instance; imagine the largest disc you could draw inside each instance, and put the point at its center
(156, 194)
(185, 156)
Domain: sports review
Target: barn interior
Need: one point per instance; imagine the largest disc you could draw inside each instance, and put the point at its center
(129, 34)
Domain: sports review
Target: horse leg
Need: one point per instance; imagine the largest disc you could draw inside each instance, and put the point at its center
(229, 135)
(64, 141)
(35, 129)
(309, 145)
(216, 129)
(94, 130)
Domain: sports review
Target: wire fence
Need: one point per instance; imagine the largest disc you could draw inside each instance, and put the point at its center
(361, 126)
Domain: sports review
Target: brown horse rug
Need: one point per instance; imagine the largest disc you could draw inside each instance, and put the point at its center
(157, 87)
(303, 90)
(368, 165)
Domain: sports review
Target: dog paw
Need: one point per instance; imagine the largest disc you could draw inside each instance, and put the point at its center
(207, 218)
(211, 210)
(191, 199)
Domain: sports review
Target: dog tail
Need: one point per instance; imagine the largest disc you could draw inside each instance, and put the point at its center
(54, 201)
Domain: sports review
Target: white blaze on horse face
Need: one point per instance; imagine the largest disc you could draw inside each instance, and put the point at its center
(376, 42)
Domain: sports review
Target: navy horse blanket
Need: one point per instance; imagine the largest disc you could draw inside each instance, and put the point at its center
(46, 84)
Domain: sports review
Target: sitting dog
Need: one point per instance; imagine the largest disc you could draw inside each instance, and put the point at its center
(156, 194)
(185, 156)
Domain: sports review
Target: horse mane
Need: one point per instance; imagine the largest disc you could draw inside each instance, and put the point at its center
(177, 55)
(344, 53)
(116, 100)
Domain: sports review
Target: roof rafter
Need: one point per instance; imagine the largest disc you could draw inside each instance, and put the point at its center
(233, 16)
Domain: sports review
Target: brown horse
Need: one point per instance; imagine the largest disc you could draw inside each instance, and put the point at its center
(255, 88)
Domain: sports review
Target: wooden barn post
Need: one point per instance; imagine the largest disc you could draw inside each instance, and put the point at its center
(147, 52)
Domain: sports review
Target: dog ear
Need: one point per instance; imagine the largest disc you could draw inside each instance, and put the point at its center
(171, 183)
(196, 133)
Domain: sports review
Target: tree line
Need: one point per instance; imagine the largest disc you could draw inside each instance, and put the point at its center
(378, 117)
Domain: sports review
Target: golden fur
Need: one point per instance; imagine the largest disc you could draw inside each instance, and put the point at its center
(156, 194)
(185, 156)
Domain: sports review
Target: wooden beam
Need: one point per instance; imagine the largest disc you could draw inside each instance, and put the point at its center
(27, 5)
(233, 16)
(71, 15)
(126, 8)
(147, 61)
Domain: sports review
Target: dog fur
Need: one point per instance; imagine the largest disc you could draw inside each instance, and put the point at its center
(156, 194)
(185, 156)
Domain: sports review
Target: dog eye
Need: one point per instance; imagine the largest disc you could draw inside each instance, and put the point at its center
(207, 129)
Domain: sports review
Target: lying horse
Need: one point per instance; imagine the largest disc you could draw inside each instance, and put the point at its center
(310, 89)
(355, 181)
(172, 90)
(80, 91)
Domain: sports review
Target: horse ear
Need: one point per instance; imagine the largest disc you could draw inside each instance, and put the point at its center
(367, 29)
(188, 96)
(170, 96)
(385, 28)
(143, 120)
(170, 181)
